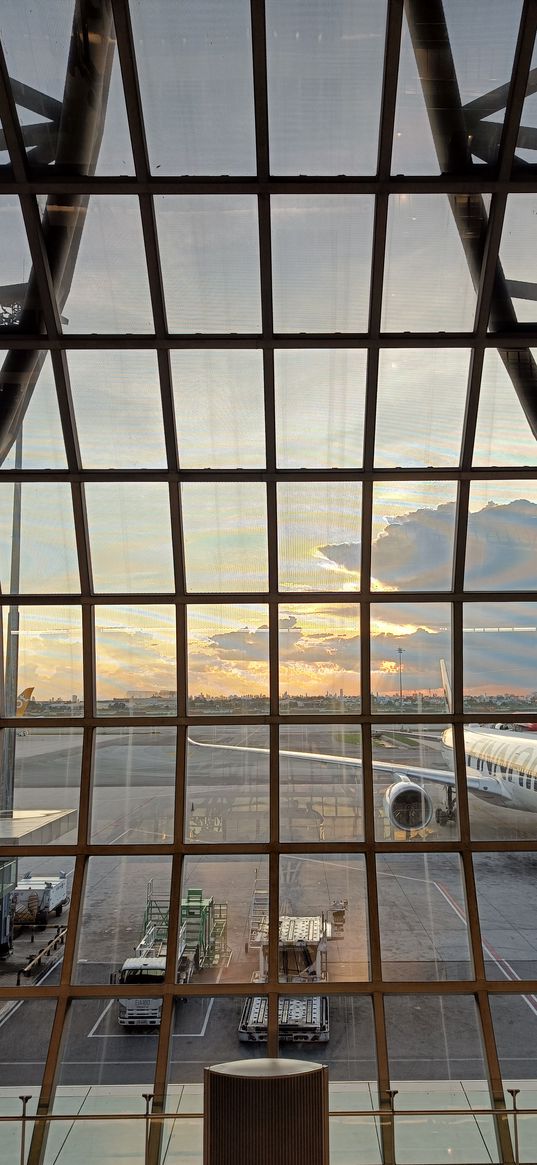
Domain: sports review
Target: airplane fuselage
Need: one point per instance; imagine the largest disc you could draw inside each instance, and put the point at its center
(508, 760)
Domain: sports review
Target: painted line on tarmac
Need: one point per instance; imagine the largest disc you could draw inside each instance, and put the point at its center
(98, 1020)
(41, 979)
(503, 965)
(149, 1035)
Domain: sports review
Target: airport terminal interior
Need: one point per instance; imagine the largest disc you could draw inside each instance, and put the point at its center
(268, 570)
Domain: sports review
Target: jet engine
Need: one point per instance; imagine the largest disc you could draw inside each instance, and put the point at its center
(407, 805)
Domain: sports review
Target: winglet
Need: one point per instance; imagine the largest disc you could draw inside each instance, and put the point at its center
(446, 685)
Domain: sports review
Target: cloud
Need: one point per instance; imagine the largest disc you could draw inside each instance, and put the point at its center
(414, 551)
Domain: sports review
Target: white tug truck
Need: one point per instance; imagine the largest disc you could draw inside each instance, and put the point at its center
(202, 943)
(302, 956)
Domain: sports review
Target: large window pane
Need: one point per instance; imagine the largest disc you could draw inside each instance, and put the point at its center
(109, 291)
(320, 402)
(127, 884)
(47, 777)
(217, 895)
(324, 76)
(209, 252)
(423, 240)
(117, 407)
(479, 50)
(40, 442)
(225, 536)
(433, 1037)
(413, 535)
(502, 758)
(323, 917)
(319, 647)
(43, 656)
(518, 253)
(219, 409)
(135, 661)
(407, 643)
(36, 523)
(133, 786)
(504, 884)
(421, 754)
(321, 252)
(500, 672)
(195, 66)
(227, 784)
(122, 518)
(503, 435)
(501, 539)
(15, 261)
(319, 536)
(423, 926)
(420, 406)
(321, 795)
(37, 44)
(227, 659)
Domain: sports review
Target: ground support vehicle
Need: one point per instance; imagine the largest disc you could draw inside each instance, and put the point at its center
(302, 956)
(202, 943)
(36, 897)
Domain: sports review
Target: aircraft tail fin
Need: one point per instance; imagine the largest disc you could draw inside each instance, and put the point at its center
(446, 685)
(23, 700)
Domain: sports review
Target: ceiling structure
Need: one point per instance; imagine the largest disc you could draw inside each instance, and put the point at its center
(268, 361)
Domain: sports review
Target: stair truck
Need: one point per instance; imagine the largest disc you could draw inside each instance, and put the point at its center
(202, 943)
(302, 956)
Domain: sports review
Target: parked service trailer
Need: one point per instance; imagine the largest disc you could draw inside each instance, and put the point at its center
(36, 897)
(301, 1020)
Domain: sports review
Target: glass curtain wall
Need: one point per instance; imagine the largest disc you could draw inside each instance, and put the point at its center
(268, 535)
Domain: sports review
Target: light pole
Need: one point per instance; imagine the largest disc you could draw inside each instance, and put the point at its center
(400, 652)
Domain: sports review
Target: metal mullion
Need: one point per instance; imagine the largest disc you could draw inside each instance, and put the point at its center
(131, 88)
(365, 607)
(167, 849)
(259, 65)
(519, 336)
(169, 1003)
(259, 61)
(47, 1089)
(274, 890)
(383, 1078)
(89, 666)
(501, 1121)
(461, 529)
(75, 918)
(476, 473)
(78, 496)
(394, 23)
(517, 89)
(387, 118)
(152, 598)
(230, 990)
(472, 912)
(455, 182)
(86, 789)
(133, 101)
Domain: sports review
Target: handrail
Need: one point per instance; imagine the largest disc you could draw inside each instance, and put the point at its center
(378, 1113)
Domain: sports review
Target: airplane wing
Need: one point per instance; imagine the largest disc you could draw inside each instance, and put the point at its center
(486, 786)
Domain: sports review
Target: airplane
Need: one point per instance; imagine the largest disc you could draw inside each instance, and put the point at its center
(501, 768)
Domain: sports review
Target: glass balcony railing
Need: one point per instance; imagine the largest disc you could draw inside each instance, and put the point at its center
(459, 1136)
